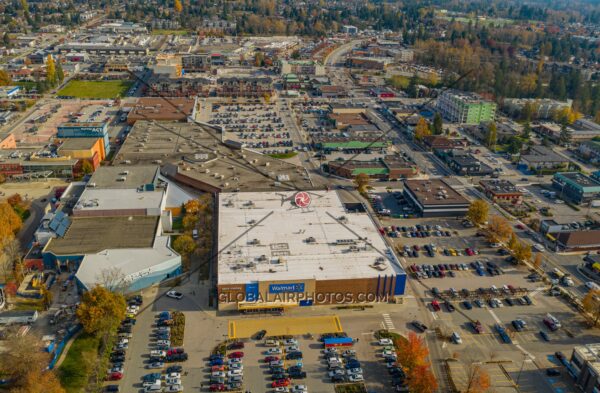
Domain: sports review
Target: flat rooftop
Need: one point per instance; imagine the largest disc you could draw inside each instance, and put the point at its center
(158, 108)
(580, 179)
(95, 234)
(123, 177)
(266, 237)
(198, 153)
(100, 199)
(499, 186)
(77, 143)
(434, 192)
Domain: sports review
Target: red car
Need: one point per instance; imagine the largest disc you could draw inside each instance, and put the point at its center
(271, 359)
(217, 387)
(236, 355)
(520, 226)
(115, 376)
(435, 305)
(469, 252)
(174, 351)
(217, 368)
(280, 383)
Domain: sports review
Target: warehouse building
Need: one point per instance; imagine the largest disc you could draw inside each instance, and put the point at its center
(435, 198)
(576, 187)
(85, 130)
(162, 109)
(290, 249)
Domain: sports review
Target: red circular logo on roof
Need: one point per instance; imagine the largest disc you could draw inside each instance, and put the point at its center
(302, 199)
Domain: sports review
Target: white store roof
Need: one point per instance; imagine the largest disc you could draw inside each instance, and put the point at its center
(277, 248)
(127, 264)
(109, 199)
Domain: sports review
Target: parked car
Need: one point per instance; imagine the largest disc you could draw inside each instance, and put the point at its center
(174, 295)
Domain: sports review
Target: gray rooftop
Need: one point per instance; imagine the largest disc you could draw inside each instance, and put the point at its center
(123, 177)
(95, 234)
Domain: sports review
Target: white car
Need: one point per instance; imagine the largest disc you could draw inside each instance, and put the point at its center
(166, 343)
(231, 373)
(349, 352)
(173, 375)
(456, 338)
(123, 341)
(290, 341)
(281, 389)
(291, 348)
(158, 354)
(220, 374)
(357, 370)
(273, 351)
(339, 371)
(150, 383)
(299, 388)
(236, 366)
(173, 381)
(388, 352)
(174, 295)
(355, 378)
(233, 361)
(385, 341)
(174, 389)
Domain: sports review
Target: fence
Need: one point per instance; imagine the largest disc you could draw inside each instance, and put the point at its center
(61, 345)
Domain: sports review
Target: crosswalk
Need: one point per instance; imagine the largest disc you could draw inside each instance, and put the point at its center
(387, 322)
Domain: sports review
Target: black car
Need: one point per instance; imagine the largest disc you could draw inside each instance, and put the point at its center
(294, 369)
(559, 355)
(397, 372)
(112, 388)
(278, 376)
(125, 329)
(337, 378)
(177, 357)
(118, 352)
(298, 375)
(117, 358)
(551, 372)
(449, 306)
(293, 355)
(261, 334)
(174, 369)
(236, 345)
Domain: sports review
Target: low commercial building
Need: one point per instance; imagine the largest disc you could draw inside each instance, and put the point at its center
(387, 168)
(464, 163)
(9, 91)
(501, 191)
(98, 48)
(163, 85)
(580, 131)
(435, 198)
(590, 151)
(585, 365)
(544, 108)
(368, 63)
(301, 67)
(468, 108)
(540, 159)
(88, 149)
(248, 87)
(85, 130)
(162, 109)
(318, 254)
(576, 187)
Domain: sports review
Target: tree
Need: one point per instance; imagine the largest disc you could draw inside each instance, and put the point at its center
(10, 223)
(38, 381)
(101, 310)
(422, 129)
(5, 79)
(478, 379)
(10, 257)
(362, 182)
(60, 74)
(413, 87)
(513, 242)
(526, 131)
(478, 212)
(267, 97)
(259, 59)
(192, 206)
(178, 6)
(591, 304)
(6, 40)
(565, 135)
(184, 245)
(412, 351)
(189, 221)
(86, 167)
(23, 354)
(514, 145)
(113, 279)
(492, 136)
(499, 229)
(50, 70)
(421, 380)
(523, 252)
(438, 124)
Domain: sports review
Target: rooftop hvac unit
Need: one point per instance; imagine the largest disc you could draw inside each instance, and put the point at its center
(91, 185)
(124, 173)
(122, 178)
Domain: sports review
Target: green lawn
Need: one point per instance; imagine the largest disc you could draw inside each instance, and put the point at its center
(281, 156)
(169, 32)
(75, 370)
(95, 89)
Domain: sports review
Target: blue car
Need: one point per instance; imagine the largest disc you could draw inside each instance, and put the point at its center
(151, 377)
(216, 362)
(544, 335)
(215, 356)
(467, 304)
(352, 364)
(164, 315)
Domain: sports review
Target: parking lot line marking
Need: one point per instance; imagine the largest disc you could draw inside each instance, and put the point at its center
(434, 315)
(529, 355)
(495, 316)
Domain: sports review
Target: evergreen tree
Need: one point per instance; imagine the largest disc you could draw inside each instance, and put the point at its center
(413, 90)
(565, 134)
(492, 136)
(438, 124)
(60, 75)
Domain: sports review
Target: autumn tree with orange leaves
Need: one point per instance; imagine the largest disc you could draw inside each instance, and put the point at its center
(178, 6)
(478, 379)
(422, 380)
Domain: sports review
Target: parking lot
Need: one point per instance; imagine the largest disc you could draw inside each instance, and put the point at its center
(257, 125)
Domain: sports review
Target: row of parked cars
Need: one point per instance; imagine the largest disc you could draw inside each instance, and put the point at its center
(227, 372)
(124, 332)
(342, 365)
(284, 360)
(395, 370)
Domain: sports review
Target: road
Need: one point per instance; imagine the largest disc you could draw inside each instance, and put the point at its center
(334, 56)
(32, 223)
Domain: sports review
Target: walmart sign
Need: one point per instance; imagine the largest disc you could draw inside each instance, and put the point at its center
(286, 288)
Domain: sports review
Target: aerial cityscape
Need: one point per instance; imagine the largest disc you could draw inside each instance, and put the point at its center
(300, 196)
